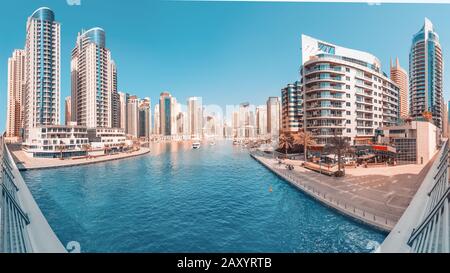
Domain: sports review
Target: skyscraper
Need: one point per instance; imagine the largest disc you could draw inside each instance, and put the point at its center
(115, 99)
(400, 77)
(133, 116)
(292, 107)
(195, 116)
(261, 120)
(145, 117)
(425, 74)
(123, 103)
(68, 110)
(94, 79)
(16, 89)
(156, 121)
(167, 114)
(43, 65)
(273, 116)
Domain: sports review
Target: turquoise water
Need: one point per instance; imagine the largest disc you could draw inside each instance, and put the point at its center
(215, 199)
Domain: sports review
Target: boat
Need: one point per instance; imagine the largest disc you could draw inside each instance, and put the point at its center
(196, 145)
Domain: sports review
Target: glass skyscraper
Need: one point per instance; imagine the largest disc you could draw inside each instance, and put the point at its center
(425, 74)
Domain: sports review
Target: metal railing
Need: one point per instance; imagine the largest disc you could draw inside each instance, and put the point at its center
(381, 221)
(432, 234)
(23, 228)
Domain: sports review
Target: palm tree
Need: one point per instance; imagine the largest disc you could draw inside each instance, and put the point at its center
(86, 148)
(61, 149)
(305, 139)
(338, 145)
(286, 142)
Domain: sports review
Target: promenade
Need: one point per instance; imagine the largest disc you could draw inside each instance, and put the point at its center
(375, 196)
(25, 163)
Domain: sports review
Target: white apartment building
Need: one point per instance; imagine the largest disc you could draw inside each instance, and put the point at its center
(93, 80)
(195, 116)
(43, 66)
(107, 137)
(345, 92)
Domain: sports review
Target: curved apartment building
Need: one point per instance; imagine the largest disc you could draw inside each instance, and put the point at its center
(425, 74)
(345, 93)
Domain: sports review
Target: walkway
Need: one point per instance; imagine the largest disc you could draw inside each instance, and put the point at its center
(375, 196)
(26, 163)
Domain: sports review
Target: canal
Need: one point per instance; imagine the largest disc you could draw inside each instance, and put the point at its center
(214, 199)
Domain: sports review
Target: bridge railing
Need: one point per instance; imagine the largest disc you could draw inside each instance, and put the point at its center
(424, 227)
(23, 228)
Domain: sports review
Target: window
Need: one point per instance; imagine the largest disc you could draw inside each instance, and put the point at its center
(347, 86)
(349, 130)
(348, 104)
(348, 96)
(349, 121)
(347, 78)
(347, 69)
(348, 113)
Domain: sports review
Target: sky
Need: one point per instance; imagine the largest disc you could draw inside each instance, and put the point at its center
(225, 52)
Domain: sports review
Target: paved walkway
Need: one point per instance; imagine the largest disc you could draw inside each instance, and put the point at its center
(375, 196)
(26, 163)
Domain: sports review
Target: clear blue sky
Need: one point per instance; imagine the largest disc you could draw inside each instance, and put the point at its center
(226, 52)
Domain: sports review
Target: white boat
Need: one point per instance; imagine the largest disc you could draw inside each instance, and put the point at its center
(196, 145)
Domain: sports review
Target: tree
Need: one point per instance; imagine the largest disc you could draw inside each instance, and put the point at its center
(338, 145)
(61, 149)
(305, 139)
(427, 115)
(86, 148)
(286, 142)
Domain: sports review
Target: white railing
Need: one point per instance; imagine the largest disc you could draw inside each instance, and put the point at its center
(424, 226)
(23, 227)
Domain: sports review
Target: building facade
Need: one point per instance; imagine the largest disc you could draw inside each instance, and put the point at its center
(43, 66)
(425, 74)
(273, 117)
(261, 120)
(123, 103)
(133, 116)
(345, 93)
(16, 89)
(167, 114)
(400, 77)
(68, 110)
(292, 108)
(145, 118)
(94, 80)
(195, 116)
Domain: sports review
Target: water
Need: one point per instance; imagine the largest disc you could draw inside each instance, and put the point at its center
(215, 199)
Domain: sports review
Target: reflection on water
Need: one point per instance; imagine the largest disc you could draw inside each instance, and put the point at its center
(177, 199)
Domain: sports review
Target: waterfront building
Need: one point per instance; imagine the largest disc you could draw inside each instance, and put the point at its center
(43, 68)
(115, 98)
(16, 89)
(133, 116)
(415, 142)
(111, 138)
(273, 116)
(261, 120)
(68, 110)
(94, 79)
(167, 114)
(123, 103)
(292, 108)
(425, 74)
(247, 121)
(400, 77)
(156, 120)
(235, 123)
(145, 118)
(345, 93)
(195, 116)
(54, 141)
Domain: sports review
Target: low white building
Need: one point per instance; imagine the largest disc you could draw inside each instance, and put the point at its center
(113, 138)
(54, 141)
